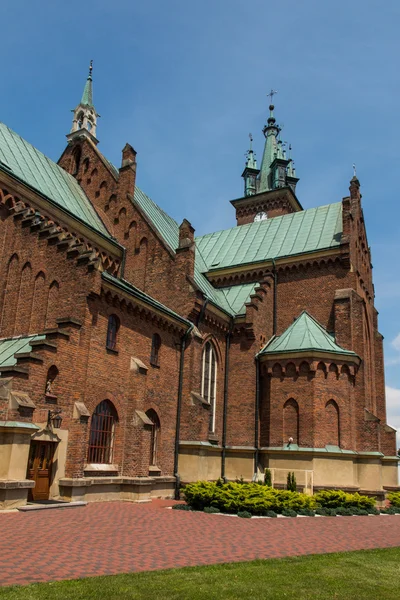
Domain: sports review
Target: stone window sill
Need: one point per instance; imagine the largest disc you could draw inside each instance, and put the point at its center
(154, 471)
(50, 399)
(101, 467)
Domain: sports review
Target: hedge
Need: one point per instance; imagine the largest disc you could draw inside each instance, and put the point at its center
(263, 500)
(339, 499)
(394, 499)
(254, 498)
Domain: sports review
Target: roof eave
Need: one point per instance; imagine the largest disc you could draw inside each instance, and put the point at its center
(314, 353)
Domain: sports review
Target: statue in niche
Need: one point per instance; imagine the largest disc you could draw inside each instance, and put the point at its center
(48, 386)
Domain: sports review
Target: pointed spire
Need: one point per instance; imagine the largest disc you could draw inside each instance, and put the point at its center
(251, 161)
(87, 96)
(84, 122)
(250, 171)
(271, 131)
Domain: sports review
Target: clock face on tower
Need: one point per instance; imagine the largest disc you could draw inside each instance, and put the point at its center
(261, 216)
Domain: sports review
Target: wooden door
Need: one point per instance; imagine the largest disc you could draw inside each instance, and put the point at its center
(39, 468)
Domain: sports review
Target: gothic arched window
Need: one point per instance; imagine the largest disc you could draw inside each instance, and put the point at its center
(112, 332)
(155, 432)
(102, 429)
(155, 350)
(209, 380)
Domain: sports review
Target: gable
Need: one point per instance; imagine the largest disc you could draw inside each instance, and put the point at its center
(24, 162)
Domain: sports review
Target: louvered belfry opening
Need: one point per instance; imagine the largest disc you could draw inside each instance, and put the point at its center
(102, 430)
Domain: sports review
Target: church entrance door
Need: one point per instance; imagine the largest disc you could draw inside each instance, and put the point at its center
(39, 469)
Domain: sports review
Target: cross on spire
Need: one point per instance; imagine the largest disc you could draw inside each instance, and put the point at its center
(271, 95)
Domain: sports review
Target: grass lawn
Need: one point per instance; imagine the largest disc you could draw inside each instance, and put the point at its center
(365, 575)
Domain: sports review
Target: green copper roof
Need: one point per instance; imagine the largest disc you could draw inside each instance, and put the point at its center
(304, 334)
(8, 348)
(87, 96)
(296, 233)
(134, 291)
(23, 161)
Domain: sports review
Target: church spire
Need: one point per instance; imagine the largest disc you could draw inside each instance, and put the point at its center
(271, 131)
(87, 96)
(84, 122)
(276, 170)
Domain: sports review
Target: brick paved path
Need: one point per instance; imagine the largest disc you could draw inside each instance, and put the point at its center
(118, 537)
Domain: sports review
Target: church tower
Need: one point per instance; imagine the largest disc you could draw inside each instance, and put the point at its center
(84, 122)
(268, 191)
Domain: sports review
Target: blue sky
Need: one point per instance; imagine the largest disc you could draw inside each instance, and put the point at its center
(185, 82)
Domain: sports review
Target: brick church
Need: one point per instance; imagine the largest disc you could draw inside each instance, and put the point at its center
(135, 356)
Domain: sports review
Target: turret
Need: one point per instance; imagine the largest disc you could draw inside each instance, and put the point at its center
(250, 171)
(84, 122)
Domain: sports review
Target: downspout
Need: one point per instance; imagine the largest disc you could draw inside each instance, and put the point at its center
(225, 409)
(256, 415)
(275, 301)
(179, 409)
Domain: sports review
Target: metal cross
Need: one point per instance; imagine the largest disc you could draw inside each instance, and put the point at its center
(271, 95)
(354, 170)
(251, 141)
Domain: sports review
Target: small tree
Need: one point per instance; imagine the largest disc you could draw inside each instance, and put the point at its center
(291, 482)
(267, 477)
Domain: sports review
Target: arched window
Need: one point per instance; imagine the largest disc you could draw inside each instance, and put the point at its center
(76, 159)
(101, 438)
(155, 433)
(332, 423)
(291, 421)
(155, 350)
(112, 332)
(209, 380)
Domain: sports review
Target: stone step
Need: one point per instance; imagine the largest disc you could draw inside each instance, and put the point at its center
(51, 505)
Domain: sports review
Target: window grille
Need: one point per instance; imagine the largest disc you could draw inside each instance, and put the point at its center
(101, 439)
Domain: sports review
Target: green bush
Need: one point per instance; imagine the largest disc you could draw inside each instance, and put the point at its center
(271, 514)
(244, 514)
(340, 499)
(287, 512)
(234, 497)
(394, 498)
(306, 512)
(344, 511)
(267, 477)
(181, 507)
(326, 512)
(211, 509)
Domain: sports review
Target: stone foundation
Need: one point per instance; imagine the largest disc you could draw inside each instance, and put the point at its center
(106, 489)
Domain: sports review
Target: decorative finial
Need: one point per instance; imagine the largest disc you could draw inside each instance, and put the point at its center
(251, 142)
(90, 68)
(354, 170)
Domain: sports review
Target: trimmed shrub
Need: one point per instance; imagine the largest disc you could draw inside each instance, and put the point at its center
(289, 513)
(394, 498)
(211, 509)
(267, 477)
(373, 511)
(181, 507)
(244, 514)
(338, 499)
(271, 514)
(326, 512)
(344, 511)
(233, 497)
(306, 512)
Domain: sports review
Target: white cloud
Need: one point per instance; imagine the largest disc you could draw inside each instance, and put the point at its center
(396, 343)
